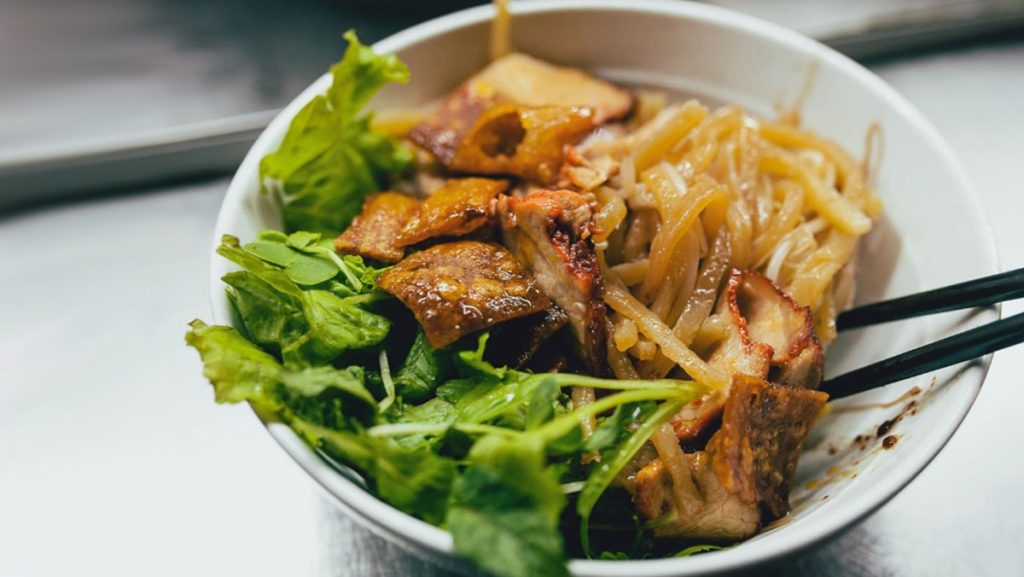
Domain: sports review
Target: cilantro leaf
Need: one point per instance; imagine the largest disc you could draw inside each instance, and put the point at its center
(307, 326)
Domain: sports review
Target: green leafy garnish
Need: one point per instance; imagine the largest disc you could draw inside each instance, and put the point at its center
(615, 459)
(696, 549)
(334, 327)
(237, 369)
(330, 158)
(241, 371)
(312, 381)
(306, 325)
(493, 454)
(616, 427)
(306, 263)
(505, 508)
(416, 481)
(422, 371)
(485, 457)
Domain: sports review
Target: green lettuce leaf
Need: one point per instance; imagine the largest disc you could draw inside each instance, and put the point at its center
(271, 317)
(237, 369)
(327, 397)
(241, 371)
(333, 327)
(330, 158)
(416, 481)
(505, 508)
(314, 381)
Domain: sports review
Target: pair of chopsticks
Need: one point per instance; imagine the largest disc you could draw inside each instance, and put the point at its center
(958, 348)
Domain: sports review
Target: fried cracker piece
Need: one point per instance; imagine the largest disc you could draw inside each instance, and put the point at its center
(459, 207)
(503, 138)
(373, 233)
(532, 82)
(517, 116)
(457, 288)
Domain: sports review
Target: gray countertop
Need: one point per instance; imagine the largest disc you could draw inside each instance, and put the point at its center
(115, 460)
(149, 69)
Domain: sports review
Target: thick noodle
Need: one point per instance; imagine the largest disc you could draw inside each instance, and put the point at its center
(694, 193)
(623, 302)
(704, 192)
(699, 305)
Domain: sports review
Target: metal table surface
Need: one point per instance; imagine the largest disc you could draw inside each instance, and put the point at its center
(115, 460)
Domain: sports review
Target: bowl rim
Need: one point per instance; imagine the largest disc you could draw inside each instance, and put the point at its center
(402, 527)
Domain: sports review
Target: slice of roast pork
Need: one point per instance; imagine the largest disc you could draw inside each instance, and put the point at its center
(549, 231)
(743, 478)
(768, 336)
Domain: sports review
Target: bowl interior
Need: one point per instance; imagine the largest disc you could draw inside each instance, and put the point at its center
(933, 233)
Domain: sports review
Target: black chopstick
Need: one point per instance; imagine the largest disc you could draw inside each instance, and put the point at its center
(978, 292)
(958, 348)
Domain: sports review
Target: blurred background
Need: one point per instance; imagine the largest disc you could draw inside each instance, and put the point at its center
(105, 94)
(120, 124)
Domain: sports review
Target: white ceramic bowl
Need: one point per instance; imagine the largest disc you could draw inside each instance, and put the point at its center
(933, 233)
